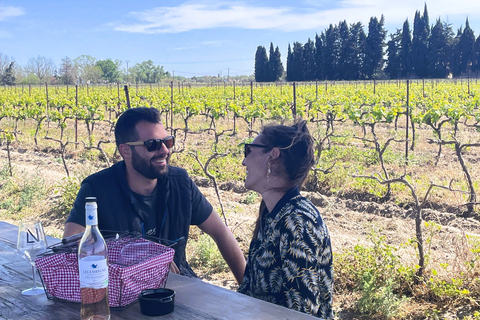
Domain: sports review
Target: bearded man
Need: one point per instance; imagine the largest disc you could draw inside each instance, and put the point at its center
(143, 193)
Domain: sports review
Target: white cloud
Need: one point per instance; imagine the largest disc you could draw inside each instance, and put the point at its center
(7, 12)
(307, 15)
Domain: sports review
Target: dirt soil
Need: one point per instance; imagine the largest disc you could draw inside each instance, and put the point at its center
(349, 221)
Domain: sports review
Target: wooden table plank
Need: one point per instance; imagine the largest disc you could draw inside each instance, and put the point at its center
(194, 299)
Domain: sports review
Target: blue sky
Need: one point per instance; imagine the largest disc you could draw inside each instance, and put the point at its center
(194, 38)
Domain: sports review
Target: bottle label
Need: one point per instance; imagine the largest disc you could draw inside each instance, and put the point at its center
(93, 271)
(91, 214)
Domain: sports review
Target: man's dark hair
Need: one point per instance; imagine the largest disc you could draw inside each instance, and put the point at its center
(125, 128)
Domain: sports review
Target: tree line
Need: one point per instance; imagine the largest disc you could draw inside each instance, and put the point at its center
(347, 52)
(82, 70)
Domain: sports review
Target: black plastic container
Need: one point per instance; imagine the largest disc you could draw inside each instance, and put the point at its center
(157, 302)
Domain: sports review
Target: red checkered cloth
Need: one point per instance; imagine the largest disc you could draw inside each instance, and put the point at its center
(134, 264)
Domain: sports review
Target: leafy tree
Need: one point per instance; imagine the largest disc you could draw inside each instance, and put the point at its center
(261, 64)
(41, 67)
(393, 68)
(67, 71)
(110, 70)
(147, 72)
(374, 47)
(88, 71)
(30, 79)
(406, 51)
(8, 77)
(5, 62)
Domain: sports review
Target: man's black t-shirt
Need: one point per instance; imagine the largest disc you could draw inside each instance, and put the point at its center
(178, 204)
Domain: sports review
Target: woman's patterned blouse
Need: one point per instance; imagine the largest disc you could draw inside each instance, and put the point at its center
(290, 262)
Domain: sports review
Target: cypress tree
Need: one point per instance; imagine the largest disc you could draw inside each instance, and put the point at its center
(331, 52)
(420, 44)
(298, 62)
(309, 68)
(393, 68)
(374, 48)
(344, 57)
(289, 64)
(406, 51)
(467, 42)
(356, 51)
(276, 66)
(270, 73)
(439, 50)
(261, 65)
(476, 57)
(456, 57)
(319, 60)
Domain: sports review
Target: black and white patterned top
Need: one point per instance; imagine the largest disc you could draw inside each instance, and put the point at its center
(290, 262)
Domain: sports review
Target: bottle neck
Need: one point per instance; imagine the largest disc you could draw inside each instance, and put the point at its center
(91, 218)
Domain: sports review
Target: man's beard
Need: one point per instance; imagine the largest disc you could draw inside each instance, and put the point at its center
(145, 167)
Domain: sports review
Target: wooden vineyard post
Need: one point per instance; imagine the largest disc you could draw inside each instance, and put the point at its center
(251, 92)
(294, 107)
(127, 95)
(46, 107)
(171, 109)
(76, 120)
(406, 128)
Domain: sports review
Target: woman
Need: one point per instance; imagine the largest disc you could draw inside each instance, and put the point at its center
(290, 256)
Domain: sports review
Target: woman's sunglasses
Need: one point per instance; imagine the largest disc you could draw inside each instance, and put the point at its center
(248, 147)
(155, 144)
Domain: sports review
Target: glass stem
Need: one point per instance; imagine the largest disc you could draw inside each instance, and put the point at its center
(34, 270)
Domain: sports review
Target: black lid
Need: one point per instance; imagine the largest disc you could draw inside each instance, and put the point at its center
(91, 199)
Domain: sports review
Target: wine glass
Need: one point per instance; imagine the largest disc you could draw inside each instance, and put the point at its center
(31, 242)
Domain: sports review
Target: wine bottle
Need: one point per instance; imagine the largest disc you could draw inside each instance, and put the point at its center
(93, 267)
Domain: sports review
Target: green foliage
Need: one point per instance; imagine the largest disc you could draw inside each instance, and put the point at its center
(67, 190)
(18, 193)
(251, 197)
(379, 300)
(377, 272)
(206, 255)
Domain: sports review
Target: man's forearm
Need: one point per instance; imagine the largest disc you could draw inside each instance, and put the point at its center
(232, 254)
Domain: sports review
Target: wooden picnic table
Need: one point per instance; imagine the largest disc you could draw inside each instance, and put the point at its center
(194, 299)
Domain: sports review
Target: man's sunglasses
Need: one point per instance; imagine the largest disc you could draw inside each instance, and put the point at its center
(248, 148)
(155, 144)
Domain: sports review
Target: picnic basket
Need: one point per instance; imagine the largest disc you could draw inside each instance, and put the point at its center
(134, 264)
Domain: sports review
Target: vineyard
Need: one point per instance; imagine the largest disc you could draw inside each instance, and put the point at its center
(412, 145)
